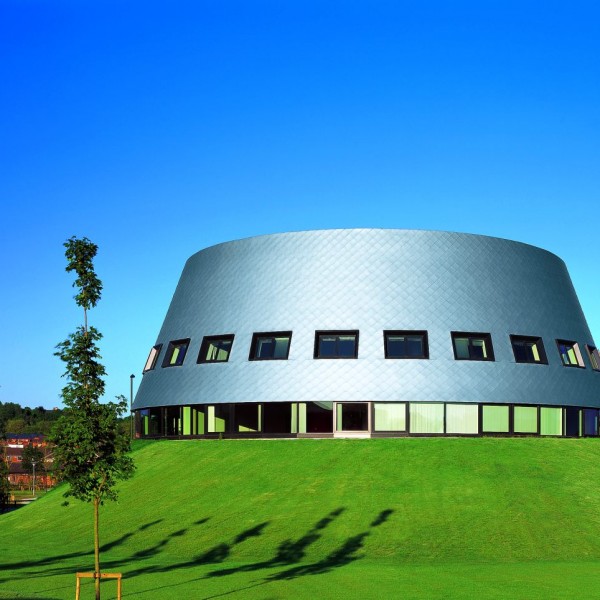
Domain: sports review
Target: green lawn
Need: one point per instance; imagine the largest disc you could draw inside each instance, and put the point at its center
(387, 518)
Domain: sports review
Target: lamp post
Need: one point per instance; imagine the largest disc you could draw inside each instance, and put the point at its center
(131, 378)
(33, 463)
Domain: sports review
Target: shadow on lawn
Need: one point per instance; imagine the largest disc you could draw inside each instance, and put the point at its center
(288, 555)
(39, 568)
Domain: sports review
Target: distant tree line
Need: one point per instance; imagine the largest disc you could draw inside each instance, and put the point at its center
(15, 418)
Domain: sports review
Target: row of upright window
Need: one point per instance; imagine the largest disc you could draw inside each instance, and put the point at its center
(397, 345)
(368, 418)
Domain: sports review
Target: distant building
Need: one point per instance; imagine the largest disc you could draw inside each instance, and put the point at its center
(369, 332)
(14, 444)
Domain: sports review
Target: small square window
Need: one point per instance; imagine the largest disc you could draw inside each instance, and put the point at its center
(570, 353)
(152, 358)
(176, 353)
(472, 346)
(336, 344)
(270, 346)
(594, 356)
(528, 349)
(215, 348)
(406, 344)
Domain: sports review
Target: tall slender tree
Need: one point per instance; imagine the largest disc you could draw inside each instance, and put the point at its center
(90, 446)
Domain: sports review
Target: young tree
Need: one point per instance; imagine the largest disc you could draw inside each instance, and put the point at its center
(32, 455)
(4, 485)
(90, 448)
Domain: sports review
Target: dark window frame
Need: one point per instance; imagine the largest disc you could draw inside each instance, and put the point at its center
(338, 333)
(173, 344)
(533, 340)
(208, 339)
(406, 332)
(157, 348)
(594, 357)
(575, 346)
(268, 335)
(472, 335)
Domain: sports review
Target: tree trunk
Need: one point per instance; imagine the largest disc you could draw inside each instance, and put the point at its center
(96, 548)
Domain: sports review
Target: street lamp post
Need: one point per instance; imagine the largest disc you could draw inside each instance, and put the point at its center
(33, 463)
(131, 378)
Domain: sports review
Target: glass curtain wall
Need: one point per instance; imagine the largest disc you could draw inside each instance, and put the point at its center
(352, 416)
(462, 419)
(389, 416)
(426, 418)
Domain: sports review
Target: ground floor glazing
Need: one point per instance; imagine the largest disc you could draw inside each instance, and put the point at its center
(364, 419)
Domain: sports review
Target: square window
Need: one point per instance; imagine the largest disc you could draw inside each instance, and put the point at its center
(176, 353)
(336, 344)
(525, 419)
(495, 419)
(389, 416)
(270, 346)
(152, 358)
(528, 349)
(570, 353)
(406, 344)
(472, 346)
(594, 356)
(215, 348)
(426, 418)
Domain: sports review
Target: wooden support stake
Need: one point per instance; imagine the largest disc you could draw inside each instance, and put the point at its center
(80, 576)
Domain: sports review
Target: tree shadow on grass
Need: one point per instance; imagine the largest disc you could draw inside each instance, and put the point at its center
(39, 567)
(340, 557)
(289, 551)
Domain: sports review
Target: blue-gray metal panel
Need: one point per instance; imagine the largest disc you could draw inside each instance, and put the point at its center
(372, 280)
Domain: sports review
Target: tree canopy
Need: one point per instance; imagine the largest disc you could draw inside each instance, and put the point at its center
(91, 446)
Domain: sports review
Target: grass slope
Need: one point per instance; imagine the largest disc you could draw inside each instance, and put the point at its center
(386, 518)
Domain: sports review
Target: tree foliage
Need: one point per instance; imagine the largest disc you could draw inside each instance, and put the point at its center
(17, 419)
(32, 454)
(90, 446)
(4, 485)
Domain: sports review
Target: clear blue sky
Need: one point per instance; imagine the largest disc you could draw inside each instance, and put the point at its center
(157, 129)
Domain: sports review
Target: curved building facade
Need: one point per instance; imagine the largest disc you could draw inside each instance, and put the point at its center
(371, 332)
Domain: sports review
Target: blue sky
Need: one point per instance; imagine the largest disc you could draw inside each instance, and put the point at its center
(157, 129)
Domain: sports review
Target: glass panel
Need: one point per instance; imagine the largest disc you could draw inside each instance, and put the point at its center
(395, 346)
(247, 417)
(462, 347)
(217, 418)
(478, 349)
(327, 346)
(426, 418)
(495, 419)
(319, 417)
(174, 356)
(279, 417)
(572, 422)
(525, 419)
(414, 346)
(187, 420)
(390, 416)
(590, 421)
(594, 357)
(551, 421)
(462, 418)
(265, 348)
(346, 346)
(173, 420)
(302, 417)
(151, 362)
(352, 416)
(281, 347)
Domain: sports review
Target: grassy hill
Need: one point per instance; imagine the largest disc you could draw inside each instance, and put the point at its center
(386, 518)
